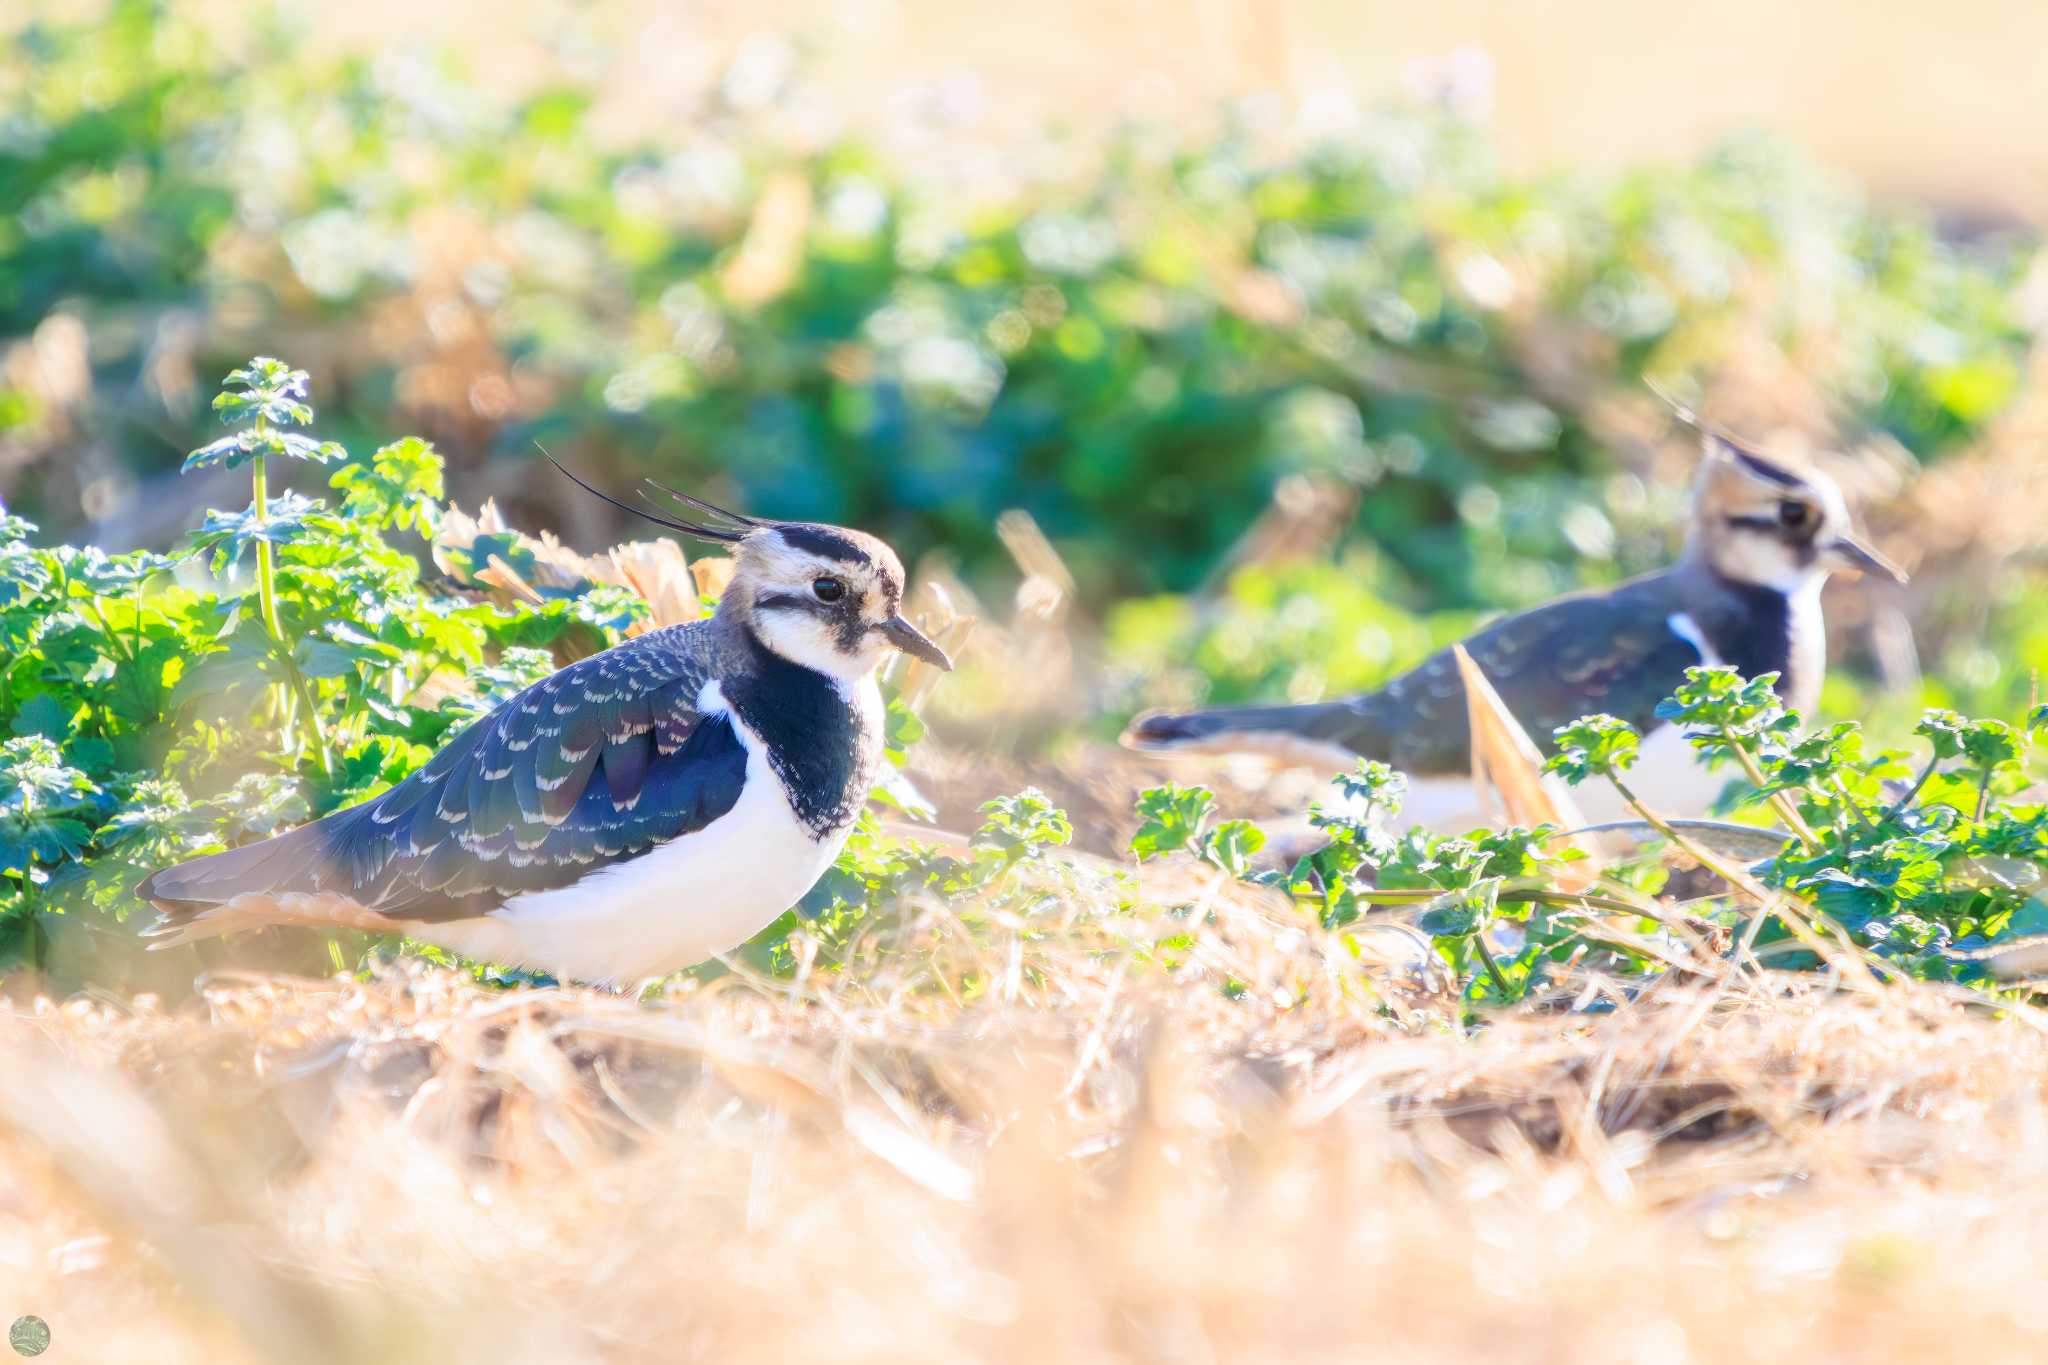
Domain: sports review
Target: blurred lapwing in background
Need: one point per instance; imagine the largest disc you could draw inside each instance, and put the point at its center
(1746, 592)
(634, 813)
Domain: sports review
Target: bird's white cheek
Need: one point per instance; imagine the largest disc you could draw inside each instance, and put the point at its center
(1767, 564)
(814, 643)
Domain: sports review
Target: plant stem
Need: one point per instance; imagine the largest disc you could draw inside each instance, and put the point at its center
(1500, 983)
(1781, 802)
(1926, 775)
(1768, 901)
(266, 591)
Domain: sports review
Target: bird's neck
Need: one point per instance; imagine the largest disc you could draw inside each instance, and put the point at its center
(823, 735)
(1759, 628)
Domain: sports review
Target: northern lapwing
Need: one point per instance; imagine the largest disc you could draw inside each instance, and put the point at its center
(632, 814)
(1745, 592)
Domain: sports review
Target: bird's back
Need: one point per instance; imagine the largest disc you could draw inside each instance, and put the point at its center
(1612, 650)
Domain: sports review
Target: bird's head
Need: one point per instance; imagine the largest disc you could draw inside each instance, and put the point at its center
(826, 597)
(1763, 523)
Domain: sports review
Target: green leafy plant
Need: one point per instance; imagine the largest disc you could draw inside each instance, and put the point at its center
(153, 717)
(42, 800)
(267, 396)
(1883, 869)
(1183, 818)
(877, 880)
(1926, 876)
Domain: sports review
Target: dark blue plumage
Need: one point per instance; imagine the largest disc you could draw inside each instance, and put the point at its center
(597, 763)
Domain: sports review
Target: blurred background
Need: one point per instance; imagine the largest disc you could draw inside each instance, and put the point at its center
(1297, 335)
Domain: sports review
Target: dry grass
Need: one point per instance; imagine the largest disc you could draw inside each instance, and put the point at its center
(1022, 1140)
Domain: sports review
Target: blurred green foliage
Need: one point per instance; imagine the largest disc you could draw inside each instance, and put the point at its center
(1300, 630)
(156, 708)
(1134, 354)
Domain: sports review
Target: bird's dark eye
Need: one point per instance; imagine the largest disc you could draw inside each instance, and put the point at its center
(1793, 516)
(828, 589)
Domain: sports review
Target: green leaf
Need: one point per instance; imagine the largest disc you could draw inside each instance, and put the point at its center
(288, 517)
(902, 729)
(401, 485)
(1173, 817)
(238, 448)
(267, 388)
(1232, 845)
(1943, 730)
(1459, 919)
(1373, 788)
(34, 775)
(105, 575)
(41, 839)
(1990, 744)
(43, 714)
(1022, 825)
(1594, 746)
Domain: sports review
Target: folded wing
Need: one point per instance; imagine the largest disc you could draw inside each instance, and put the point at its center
(596, 763)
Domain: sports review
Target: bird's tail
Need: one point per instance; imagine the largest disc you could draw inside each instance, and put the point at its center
(1322, 734)
(272, 881)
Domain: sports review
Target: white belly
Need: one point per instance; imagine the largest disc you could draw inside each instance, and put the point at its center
(1669, 777)
(676, 905)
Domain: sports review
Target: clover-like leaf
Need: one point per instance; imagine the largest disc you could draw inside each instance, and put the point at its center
(287, 518)
(239, 447)
(1021, 825)
(1990, 744)
(265, 388)
(1944, 730)
(1594, 746)
(34, 775)
(1174, 817)
(401, 485)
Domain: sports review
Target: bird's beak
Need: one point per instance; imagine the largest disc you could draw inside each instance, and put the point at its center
(911, 640)
(1851, 553)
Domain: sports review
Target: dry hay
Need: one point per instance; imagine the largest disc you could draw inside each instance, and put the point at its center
(1024, 1140)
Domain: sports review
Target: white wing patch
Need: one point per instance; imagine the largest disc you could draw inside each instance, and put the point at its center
(1688, 630)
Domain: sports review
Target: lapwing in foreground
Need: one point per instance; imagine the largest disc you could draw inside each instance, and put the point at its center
(634, 813)
(1746, 592)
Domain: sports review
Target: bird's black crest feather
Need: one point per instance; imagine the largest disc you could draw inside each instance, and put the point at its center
(728, 534)
(1747, 456)
(709, 509)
